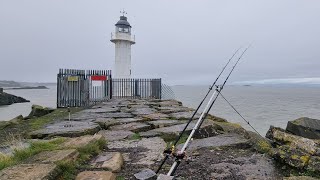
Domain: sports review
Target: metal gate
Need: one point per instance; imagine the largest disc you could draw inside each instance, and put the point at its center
(78, 88)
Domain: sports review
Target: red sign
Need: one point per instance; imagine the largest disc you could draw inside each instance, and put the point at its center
(99, 78)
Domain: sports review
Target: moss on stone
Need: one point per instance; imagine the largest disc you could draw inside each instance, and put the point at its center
(305, 159)
(263, 146)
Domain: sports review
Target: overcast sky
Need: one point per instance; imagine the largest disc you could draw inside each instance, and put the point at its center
(184, 42)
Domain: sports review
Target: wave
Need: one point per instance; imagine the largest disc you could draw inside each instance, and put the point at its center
(310, 81)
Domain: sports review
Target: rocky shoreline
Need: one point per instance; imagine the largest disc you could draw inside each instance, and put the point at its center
(135, 134)
(8, 99)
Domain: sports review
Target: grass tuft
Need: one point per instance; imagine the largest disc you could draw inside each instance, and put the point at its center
(23, 154)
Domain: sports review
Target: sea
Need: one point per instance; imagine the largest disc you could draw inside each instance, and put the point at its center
(261, 106)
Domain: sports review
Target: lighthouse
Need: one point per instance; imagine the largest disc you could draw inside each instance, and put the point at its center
(123, 40)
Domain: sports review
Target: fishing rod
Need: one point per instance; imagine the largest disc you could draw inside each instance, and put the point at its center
(171, 150)
(222, 86)
(240, 114)
(180, 155)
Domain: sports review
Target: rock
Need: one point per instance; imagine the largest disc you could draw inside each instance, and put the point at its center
(165, 177)
(173, 109)
(171, 102)
(144, 152)
(116, 135)
(279, 136)
(149, 134)
(305, 127)
(164, 123)
(155, 116)
(170, 133)
(82, 116)
(254, 167)
(231, 127)
(314, 164)
(54, 156)
(8, 99)
(217, 141)
(292, 156)
(143, 111)
(38, 111)
(299, 178)
(30, 172)
(108, 160)
(66, 129)
(134, 127)
(96, 175)
(184, 115)
(102, 109)
(81, 141)
(118, 115)
(259, 143)
(107, 122)
(146, 174)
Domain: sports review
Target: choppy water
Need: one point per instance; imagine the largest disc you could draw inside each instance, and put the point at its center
(261, 105)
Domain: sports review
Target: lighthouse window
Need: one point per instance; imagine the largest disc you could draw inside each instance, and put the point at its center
(126, 30)
(120, 29)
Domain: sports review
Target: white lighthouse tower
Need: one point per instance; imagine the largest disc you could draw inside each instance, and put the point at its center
(123, 41)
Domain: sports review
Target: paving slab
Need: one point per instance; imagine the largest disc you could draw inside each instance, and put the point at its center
(173, 109)
(96, 175)
(67, 129)
(81, 141)
(116, 135)
(165, 123)
(155, 116)
(143, 111)
(146, 174)
(112, 161)
(146, 151)
(38, 171)
(170, 103)
(54, 156)
(105, 123)
(102, 109)
(134, 127)
(254, 167)
(149, 134)
(184, 115)
(216, 141)
(170, 133)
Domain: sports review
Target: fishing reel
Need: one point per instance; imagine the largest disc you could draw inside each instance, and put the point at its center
(176, 154)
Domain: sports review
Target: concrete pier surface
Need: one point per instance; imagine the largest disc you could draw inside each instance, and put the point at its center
(136, 132)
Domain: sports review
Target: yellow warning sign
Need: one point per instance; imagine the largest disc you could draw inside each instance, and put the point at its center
(73, 78)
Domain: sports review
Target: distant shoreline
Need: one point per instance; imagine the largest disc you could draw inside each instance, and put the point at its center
(28, 87)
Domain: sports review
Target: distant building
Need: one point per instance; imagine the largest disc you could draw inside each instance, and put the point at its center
(123, 40)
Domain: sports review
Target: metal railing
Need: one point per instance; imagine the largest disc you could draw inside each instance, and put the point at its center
(136, 88)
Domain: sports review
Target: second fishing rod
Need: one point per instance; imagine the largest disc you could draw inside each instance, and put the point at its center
(201, 119)
(168, 152)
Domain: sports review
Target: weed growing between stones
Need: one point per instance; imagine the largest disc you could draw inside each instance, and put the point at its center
(69, 169)
(135, 136)
(183, 139)
(20, 155)
(120, 178)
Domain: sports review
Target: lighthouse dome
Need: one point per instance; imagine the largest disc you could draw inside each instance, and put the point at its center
(123, 22)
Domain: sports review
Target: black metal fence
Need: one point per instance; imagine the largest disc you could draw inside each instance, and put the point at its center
(76, 88)
(136, 88)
